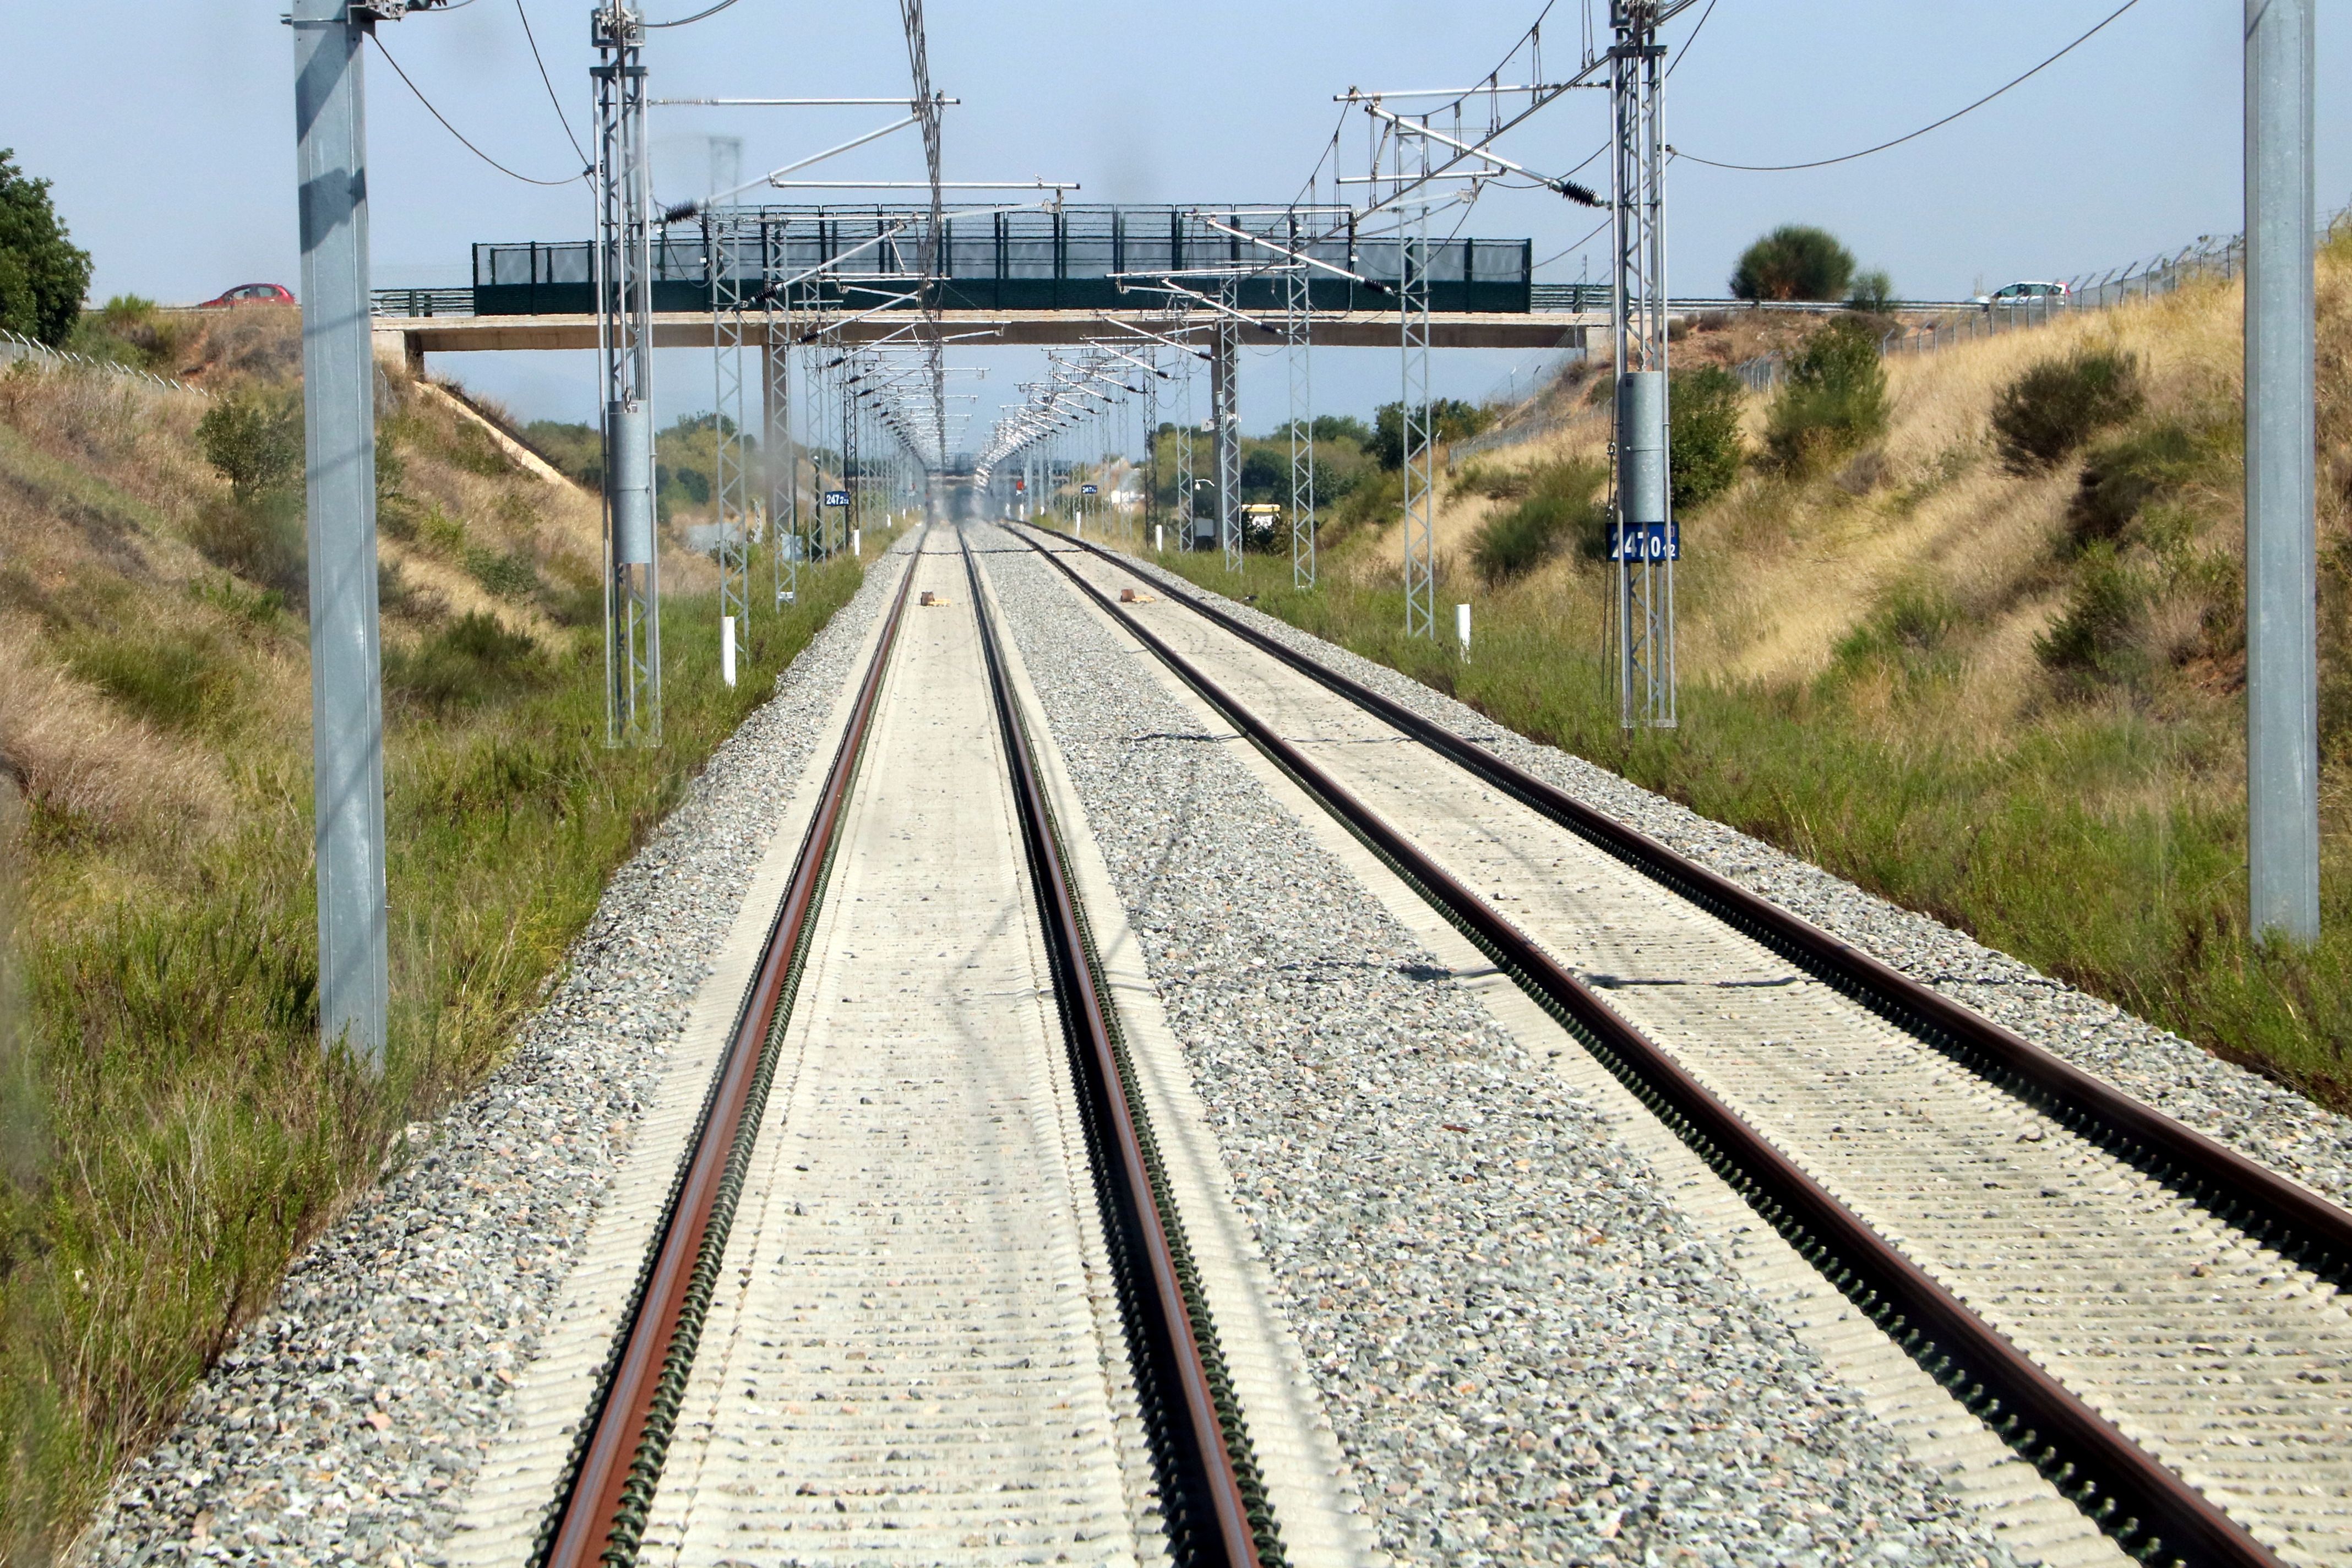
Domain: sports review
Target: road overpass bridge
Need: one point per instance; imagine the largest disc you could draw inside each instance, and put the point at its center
(1010, 278)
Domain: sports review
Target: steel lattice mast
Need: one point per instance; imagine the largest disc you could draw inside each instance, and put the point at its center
(723, 254)
(783, 457)
(1298, 324)
(625, 344)
(1646, 544)
(1224, 397)
(1420, 444)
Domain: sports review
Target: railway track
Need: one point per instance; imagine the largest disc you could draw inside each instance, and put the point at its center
(920, 1292)
(2148, 1318)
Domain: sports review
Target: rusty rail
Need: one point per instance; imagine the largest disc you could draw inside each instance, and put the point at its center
(1209, 1517)
(600, 1513)
(2303, 1227)
(2147, 1507)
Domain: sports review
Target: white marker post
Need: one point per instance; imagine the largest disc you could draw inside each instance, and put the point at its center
(856, 543)
(1160, 539)
(727, 649)
(1462, 627)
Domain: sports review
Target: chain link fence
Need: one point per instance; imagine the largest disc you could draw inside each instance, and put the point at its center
(14, 346)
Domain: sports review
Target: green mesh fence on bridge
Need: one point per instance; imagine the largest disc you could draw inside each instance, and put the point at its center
(1075, 258)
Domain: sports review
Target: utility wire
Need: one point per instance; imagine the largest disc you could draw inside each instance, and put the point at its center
(460, 135)
(1687, 42)
(1882, 146)
(698, 17)
(543, 77)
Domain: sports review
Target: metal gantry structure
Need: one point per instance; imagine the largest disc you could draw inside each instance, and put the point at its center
(730, 484)
(624, 282)
(1298, 331)
(1647, 542)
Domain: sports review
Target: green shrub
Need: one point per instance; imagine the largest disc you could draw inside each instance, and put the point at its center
(166, 677)
(2122, 477)
(2093, 638)
(1873, 292)
(471, 661)
(1562, 506)
(1795, 261)
(2056, 406)
(1495, 484)
(1833, 401)
(254, 440)
(509, 575)
(1702, 438)
(261, 540)
(128, 330)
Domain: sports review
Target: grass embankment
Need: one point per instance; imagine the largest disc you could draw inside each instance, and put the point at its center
(171, 1132)
(1988, 665)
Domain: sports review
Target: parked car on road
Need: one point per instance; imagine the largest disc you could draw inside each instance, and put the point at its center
(250, 294)
(2027, 293)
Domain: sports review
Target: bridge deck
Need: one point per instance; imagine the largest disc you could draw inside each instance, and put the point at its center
(421, 336)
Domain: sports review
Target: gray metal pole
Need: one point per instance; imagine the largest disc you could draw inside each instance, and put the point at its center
(2282, 633)
(339, 425)
(1225, 400)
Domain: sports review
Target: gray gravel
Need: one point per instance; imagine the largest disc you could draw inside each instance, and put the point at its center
(2259, 1118)
(346, 1421)
(1527, 1354)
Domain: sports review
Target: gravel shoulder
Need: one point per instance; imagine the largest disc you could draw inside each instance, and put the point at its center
(2259, 1118)
(355, 1411)
(1527, 1353)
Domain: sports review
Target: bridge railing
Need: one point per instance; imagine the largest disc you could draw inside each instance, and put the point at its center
(1072, 259)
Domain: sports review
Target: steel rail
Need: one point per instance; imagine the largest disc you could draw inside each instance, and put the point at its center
(2303, 1226)
(617, 1463)
(1197, 1450)
(2118, 1484)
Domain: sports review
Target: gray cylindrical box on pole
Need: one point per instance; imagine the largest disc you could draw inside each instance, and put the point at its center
(633, 496)
(339, 408)
(2282, 612)
(1641, 439)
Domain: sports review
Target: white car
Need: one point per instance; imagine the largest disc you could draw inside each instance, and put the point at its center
(2027, 293)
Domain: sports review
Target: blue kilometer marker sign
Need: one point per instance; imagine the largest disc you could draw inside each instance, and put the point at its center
(1085, 489)
(1649, 541)
(836, 498)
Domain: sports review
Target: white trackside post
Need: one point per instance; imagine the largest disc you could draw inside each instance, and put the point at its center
(1462, 627)
(727, 649)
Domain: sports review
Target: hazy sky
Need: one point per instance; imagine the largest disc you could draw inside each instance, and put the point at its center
(168, 131)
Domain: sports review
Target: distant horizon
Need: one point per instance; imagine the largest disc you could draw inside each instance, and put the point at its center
(2129, 147)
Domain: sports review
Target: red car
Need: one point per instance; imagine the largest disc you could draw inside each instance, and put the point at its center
(250, 294)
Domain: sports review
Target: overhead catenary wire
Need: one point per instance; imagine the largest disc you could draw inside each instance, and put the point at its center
(1914, 135)
(698, 17)
(553, 99)
(460, 135)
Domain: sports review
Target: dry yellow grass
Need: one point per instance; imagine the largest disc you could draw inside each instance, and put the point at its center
(70, 751)
(1775, 575)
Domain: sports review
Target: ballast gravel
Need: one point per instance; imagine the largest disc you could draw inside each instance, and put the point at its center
(348, 1419)
(2260, 1118)
(1528, 1355)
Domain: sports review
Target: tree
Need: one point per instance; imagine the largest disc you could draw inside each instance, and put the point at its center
(1702, 438)
(1450, 420)
(1795, 261)
(43, 278)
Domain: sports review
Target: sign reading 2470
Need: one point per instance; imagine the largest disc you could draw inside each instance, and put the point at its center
(1648, 541)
